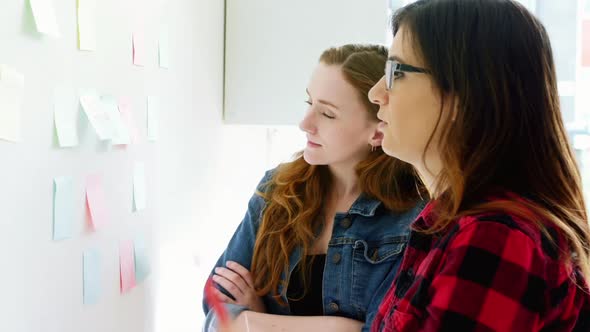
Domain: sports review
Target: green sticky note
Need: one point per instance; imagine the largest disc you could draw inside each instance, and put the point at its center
(45, 19)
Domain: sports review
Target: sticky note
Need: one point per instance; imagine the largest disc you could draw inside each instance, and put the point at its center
(142, 262)
(139, 47)
(96, 115)
(139, 186)
(65, 117)
(95, 197)
(63, 207)
(44, 15)
(87, 25)
(164, 47)
(120, 132)
(91, 276)
(126, 110)
(152, 117)
(12, 89)
(126, 266)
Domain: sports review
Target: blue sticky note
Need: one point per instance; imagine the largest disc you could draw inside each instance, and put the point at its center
(63, 212)
(92, 287)
(142, 262)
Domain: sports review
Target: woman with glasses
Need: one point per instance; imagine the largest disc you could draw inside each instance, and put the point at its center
(324, 234)
(470, 100)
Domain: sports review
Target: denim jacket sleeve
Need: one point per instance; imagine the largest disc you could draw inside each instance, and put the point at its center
(241, 247)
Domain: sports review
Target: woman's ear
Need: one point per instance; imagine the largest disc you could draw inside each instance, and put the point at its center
(376, 138)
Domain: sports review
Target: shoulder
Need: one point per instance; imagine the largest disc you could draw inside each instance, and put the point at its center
(494, 231)
(266, 181)
(509, 246)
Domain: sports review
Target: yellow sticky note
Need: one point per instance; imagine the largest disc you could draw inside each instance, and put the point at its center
(87, 25)
(12, 89)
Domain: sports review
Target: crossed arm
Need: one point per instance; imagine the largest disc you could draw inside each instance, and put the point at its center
(250, 321)
(237, 281)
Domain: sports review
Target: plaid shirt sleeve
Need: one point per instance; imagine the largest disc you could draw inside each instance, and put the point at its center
(493, 277)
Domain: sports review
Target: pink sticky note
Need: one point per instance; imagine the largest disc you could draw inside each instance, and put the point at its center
(127, 265)
(586, 43)
(139, 48)
(95, 199)
(127, 115)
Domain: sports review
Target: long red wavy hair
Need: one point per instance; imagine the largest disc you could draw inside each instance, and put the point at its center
(297, 191)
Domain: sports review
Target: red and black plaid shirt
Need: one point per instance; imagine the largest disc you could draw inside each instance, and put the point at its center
(484, 273)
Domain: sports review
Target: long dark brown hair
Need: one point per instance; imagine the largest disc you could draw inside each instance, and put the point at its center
(297, 191)
(506, 130)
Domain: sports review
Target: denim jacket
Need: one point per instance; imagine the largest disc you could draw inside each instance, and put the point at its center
(364, 254)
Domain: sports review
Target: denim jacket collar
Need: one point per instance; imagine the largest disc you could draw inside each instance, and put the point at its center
(365, 206)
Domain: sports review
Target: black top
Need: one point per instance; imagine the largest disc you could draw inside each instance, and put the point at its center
(311, 303)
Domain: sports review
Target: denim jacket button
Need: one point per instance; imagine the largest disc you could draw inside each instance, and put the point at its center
(345, 223)
(334, 306)
(336, 258)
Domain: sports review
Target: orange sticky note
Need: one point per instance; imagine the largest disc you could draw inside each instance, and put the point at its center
(95, 199)
(126, 266)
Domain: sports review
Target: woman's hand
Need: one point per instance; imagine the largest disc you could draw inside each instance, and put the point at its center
(237, 280)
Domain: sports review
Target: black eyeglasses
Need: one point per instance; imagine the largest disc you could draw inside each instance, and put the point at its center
(393, 68)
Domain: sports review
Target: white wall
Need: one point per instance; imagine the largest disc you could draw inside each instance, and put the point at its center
(201, 172)
(278, 43)
(207, 170)
(41, 279)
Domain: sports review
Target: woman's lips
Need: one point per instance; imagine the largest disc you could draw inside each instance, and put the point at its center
(312, 144)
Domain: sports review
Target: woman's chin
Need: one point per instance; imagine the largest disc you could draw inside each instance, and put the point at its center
(311, 159)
